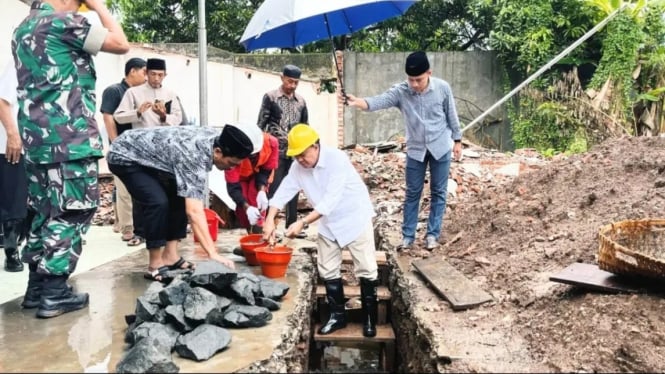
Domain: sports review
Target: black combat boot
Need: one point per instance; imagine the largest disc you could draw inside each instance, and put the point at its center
(11, 230)
(370, 306)
(57, 298)
(35, 285)
(34, 291)
(335, 297)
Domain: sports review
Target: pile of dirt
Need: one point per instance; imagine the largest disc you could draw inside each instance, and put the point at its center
(508, 235)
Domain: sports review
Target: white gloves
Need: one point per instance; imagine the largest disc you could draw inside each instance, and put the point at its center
(262, 201)
(253, 215)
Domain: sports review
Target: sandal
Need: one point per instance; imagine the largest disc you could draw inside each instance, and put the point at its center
(157, 275)
(136, 240)
(178, 265)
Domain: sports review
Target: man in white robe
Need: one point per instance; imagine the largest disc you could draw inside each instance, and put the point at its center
(150, 104)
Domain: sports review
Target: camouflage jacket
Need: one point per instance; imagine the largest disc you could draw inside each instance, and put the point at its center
(182, 152)
(279, 114)
(56, 84)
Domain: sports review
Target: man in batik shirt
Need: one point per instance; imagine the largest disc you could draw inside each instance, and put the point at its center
(52, 50)
(281, 109)
(165, 169)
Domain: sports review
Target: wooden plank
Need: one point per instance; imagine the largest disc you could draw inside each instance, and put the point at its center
(380, 257)
(451, 284)
(353, 332)
(592, 277)
(382, 292)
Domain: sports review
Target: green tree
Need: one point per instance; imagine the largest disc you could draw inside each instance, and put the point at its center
(176, 21)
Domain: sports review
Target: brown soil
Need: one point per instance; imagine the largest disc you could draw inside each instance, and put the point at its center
(509, 235)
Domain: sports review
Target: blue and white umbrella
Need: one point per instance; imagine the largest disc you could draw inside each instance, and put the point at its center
(292, 23)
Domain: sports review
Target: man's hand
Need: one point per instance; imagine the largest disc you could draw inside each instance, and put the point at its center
(223, 260)
(457, 151)
(253, 215)
(14, 145)
(262, 201)
(295, 229)
(269, 231)
(145, 106)
(356, 102)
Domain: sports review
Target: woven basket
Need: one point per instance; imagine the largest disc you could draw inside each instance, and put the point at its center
(633, 247)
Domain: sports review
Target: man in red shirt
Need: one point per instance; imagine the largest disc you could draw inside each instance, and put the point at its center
(248, 183)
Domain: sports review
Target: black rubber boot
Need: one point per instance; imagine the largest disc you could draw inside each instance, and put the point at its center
(34, 291)
(11, 230)
(57, 298)
(335, 297)
(370, 306)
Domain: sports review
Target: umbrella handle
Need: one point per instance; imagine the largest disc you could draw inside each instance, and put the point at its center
(339, 72)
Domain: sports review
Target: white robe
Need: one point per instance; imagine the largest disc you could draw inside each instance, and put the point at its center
(135, 96)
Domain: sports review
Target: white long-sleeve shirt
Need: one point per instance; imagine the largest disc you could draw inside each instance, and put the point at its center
(335, 190)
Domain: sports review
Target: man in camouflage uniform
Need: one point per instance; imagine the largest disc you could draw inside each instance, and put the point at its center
(52, 49)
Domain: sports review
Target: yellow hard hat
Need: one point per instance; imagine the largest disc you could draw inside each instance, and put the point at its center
(301, 137)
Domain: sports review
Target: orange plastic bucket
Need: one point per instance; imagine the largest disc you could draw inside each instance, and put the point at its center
(275, 261)
(248, 244)
(213, 220)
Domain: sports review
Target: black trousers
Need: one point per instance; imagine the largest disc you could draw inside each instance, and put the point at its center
(292, 206)
(163, 211)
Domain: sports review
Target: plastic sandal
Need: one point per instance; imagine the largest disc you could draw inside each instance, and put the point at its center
(157, 275)
(178, 265)
(136, 240)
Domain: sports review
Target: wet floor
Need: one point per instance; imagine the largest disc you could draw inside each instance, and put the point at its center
(92, 339)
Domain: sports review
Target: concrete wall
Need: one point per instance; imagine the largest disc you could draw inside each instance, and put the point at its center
(475, 78)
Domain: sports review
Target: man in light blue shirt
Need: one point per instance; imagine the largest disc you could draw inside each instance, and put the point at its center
(342, 205)
(432, 134)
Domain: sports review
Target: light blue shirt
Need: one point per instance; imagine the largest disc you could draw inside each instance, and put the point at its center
(430, 117)
(335, 190)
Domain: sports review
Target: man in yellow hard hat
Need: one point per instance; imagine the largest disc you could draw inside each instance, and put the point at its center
(344, 210)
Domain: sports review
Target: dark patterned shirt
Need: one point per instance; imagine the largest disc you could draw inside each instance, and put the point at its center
(56, 84)
(184, 152)
(279, 114)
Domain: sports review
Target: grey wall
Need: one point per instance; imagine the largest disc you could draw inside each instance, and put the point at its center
(475, 78)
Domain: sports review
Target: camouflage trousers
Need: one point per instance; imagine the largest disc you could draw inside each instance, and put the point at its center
(64, 197)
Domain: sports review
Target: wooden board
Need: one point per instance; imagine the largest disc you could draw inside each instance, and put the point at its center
(382, 292)
(353, 332)
(460, 292)
(590, 276)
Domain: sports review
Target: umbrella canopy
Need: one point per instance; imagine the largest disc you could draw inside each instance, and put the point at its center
(291, 23)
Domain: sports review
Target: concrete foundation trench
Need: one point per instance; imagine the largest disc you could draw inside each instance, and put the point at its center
(411, 348)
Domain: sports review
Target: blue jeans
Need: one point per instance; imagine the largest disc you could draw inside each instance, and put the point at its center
(415, 179)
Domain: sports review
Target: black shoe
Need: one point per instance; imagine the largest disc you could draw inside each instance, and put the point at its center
(12, 261)
(57, 299)
(238, 252)
(11, 230)
(335, 298)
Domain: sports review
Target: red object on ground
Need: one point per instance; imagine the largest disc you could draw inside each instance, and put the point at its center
(213, 220)
(275, 261)
(248, 244)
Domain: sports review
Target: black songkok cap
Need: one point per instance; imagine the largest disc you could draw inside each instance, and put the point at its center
(134, 63)
(416, 64)
(234, 142)
(292, 71)
(156, 64)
